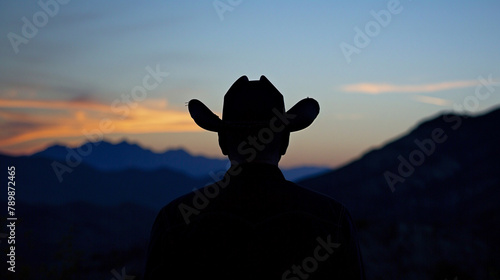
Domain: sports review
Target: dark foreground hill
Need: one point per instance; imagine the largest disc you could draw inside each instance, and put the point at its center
(90, 225)
(37, 183)
(426, 204)
(79, 241)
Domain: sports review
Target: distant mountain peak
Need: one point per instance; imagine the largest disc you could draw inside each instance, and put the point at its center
(109, 156)
(122, 143)
(121, 155)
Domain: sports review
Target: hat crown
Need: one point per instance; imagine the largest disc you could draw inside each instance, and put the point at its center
(251, 101)
(254, 103)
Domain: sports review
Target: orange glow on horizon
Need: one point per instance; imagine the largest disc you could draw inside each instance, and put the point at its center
(23, 123)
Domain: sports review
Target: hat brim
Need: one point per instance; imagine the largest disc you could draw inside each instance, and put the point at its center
(300, 116)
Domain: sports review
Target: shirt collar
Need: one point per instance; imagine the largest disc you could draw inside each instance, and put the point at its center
(249, 171)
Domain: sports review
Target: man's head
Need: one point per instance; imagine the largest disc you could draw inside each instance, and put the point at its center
(255, 126)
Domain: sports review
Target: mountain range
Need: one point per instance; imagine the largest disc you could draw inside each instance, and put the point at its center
(105, 156)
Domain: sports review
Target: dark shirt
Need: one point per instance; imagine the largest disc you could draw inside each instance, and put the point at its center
(253, 224)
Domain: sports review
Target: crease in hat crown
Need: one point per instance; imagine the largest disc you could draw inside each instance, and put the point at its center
(253, 103)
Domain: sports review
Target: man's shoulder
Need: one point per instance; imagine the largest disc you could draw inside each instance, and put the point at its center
(314, 200)
(309, 194)
(285, 196)
(173, 210)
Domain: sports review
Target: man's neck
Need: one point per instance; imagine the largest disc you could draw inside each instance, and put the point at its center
(272, 161)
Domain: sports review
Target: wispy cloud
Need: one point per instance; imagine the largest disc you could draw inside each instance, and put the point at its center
(432, 100)
(53, 104)
(51, 120)
(380, 88)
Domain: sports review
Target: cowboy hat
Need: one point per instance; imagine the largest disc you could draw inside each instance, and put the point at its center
(254, 104)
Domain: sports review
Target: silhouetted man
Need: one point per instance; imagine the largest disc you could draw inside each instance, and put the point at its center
(253, 224)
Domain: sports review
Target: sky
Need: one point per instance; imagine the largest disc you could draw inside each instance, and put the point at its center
(78, 71)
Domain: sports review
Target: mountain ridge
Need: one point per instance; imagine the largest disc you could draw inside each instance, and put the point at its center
(105, 156)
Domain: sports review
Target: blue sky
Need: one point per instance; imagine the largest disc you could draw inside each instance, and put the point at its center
(64, 80)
